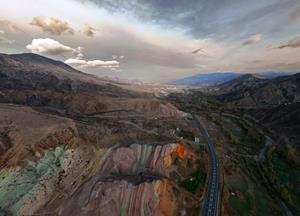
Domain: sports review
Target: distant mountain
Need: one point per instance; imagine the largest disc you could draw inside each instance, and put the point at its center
(213, 79)
(207, 79)
(240, 83)
(274, 74)
(273, 92)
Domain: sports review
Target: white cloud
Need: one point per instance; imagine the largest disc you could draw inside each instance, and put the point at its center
(49, 46)
(152, 51)
(252, 40)
(113, 64)
(116, 70)
(79, 55)
(118, 57)
(52, 25)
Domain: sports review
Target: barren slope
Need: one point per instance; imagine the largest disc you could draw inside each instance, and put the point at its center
(71, 143)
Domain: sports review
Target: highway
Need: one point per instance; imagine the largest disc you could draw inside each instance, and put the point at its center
(210, 204)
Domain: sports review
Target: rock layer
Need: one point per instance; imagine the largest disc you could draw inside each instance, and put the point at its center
(121, 198)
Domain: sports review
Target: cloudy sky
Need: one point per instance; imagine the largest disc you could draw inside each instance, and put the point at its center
(156, 40)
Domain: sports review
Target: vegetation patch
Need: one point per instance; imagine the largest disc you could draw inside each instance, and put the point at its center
(285, 177)
(188, 135)
(249, 194)
(194, 182)
(242, 137)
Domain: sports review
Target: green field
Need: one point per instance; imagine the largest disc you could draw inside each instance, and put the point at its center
(285, 177)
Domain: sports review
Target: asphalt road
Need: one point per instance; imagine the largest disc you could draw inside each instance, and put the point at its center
(210, 205)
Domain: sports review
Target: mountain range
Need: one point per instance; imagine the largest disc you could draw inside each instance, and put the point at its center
(212, 79)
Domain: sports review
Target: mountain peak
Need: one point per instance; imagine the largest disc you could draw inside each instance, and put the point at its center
(242, 82)
(250, 77)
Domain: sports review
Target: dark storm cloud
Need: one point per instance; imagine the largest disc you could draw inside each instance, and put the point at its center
(214, 18)
(294, 43)
(197, 50)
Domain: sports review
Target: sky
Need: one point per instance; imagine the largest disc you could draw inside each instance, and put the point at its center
(156, 40)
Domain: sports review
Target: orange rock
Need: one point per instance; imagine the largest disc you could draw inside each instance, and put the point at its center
(180, 151)
(167, 161)
(167, 199)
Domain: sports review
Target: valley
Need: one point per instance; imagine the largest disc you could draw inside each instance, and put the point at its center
(72, 143)
(149, 108)
(257, 144)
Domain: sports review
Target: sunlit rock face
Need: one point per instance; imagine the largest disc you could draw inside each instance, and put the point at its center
(122, 198)
(168, 110)
(139, 158)
(131, 181)
(49, 165)
(26, 189)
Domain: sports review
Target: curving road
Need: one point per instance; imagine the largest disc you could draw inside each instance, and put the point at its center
(210, 205)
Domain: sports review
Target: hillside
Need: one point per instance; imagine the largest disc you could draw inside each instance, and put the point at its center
(255, 126)
(284, 120)
(269, 93)
(37, 81)
(32, 71)
(241, 83)
(69, 140)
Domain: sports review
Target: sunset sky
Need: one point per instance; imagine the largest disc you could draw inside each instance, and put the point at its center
(156, 40)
